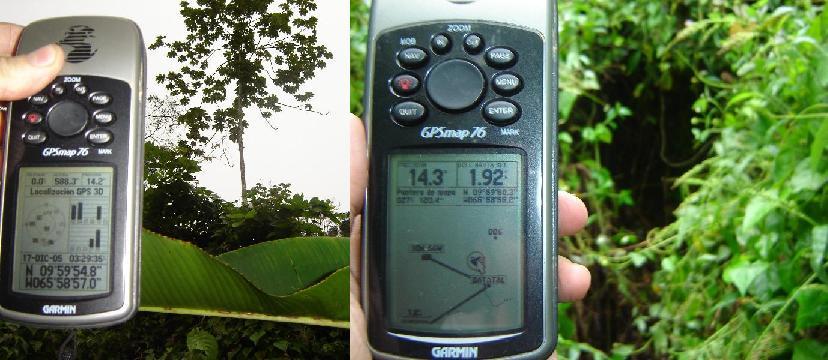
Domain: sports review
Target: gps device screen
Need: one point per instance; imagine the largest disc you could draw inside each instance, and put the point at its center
(64, 225)
(456, 242)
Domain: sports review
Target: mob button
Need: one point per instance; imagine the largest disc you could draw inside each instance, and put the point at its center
(501, 112)
(408, 113)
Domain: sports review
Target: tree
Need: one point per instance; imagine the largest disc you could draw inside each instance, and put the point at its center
(275, 212)
(235, 53)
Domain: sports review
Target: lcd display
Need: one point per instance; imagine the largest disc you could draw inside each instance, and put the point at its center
(63, 229)
(455, 243)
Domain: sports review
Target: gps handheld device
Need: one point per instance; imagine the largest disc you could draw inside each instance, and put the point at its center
(72, 180)
(461, 209)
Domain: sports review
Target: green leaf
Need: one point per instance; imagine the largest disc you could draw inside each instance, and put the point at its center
(566, 327)
(741, 273)
(805, 178)
(808, 349)
(260, 262)
(819, 242)
(282, 344)
(178, 277)
(566, 99)
(756, 210)
(198, 339)
(819, 144)
(813, 306)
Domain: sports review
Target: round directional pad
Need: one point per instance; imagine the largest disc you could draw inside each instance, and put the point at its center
(67, 118)
(455, 85)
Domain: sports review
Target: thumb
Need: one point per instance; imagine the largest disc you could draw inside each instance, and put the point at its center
(24, 75)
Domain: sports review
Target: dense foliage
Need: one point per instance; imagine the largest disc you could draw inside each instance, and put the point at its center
(696, 132)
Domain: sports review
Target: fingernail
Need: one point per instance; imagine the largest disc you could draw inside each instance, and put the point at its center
(42, 57)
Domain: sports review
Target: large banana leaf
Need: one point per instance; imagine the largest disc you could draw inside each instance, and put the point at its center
(302, 280)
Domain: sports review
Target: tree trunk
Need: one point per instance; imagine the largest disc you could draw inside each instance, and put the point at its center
(240, 142)
(242, 166)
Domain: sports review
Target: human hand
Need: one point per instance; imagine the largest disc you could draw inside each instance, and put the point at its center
(573, 279)
(26, 74)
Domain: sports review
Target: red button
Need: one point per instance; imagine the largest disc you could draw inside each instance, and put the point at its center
(33, 117)
(405, 84)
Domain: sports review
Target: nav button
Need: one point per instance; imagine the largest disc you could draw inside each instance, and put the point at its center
(412, 57)
(408, 113)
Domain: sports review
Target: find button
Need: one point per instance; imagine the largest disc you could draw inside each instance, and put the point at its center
(501, 112)
(408, 113)
(99, 137)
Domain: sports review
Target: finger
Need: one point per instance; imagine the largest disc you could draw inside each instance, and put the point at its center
(573, 280)
(359, 165)
(25, 75)
(572, 214)
(359, 180)
(358, 338)
(356, 245)
(9, 33)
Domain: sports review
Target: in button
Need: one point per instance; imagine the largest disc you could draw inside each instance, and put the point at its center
(440, 43)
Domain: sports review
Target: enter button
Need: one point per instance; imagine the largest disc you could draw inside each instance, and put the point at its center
(501, 112)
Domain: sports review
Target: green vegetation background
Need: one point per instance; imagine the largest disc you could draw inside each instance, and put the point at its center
(696, 132)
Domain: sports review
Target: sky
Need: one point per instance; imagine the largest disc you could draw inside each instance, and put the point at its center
(307, 150)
